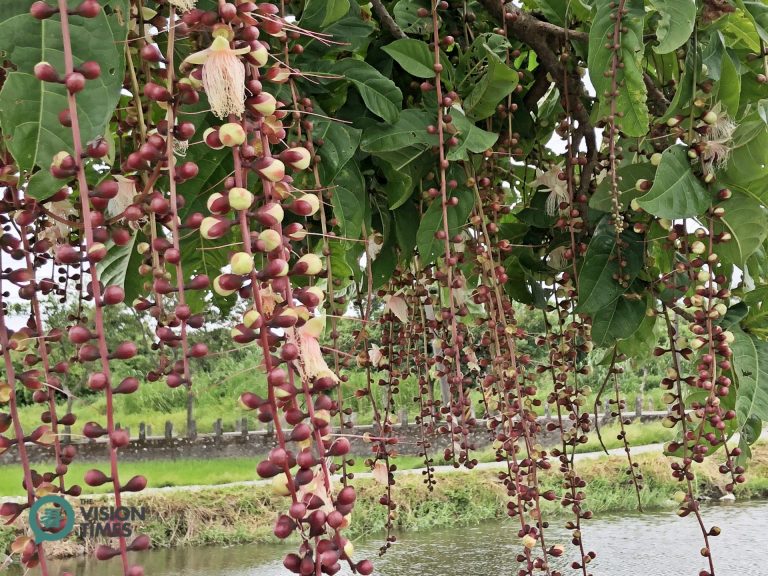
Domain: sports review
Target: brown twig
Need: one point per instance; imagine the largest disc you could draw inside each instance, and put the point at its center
(539, 35)
(655, 94)
(387, 22)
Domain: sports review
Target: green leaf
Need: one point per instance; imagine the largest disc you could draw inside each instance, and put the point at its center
(729, 86)
(121, 267)
(496, 84)
(749, 157)
(409, 131)
(597, 287)
(629, 175)
(413, 56)
(320, 13)
(430, 248)
(676, 192)
(676, 25)
(29, 108)
(399, 186)
(471, 138)
(617, 321)
(555, 10)
(405, 218)
(747, 221)
(340, 142)
(406, 16)
(348, 210)
(379, 93)
(750, 369)
(42, 185)
(631, 101)
(758, 13)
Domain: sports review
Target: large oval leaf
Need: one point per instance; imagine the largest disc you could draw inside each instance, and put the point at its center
(676, 192)
(676, 24)
(29, 108)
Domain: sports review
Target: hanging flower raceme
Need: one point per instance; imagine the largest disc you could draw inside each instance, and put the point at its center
(223, 76)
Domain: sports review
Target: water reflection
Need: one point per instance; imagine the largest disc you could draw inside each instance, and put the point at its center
(638, 545)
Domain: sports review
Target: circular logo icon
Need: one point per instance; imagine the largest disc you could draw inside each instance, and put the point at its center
(51, 518)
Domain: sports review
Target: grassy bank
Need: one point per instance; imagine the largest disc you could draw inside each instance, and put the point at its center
(238, 515)
(194, 472)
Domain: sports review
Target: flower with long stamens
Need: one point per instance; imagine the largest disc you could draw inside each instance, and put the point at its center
(716, 145)
(558, 189)
(223, 76)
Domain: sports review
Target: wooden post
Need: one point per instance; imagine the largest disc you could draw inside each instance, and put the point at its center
(547, 412)
(192, 431)
(403, 416)
(142, 432)
(651, 407)
(168, 430)
(639, 405)
(217, 430)
(244, 427)
(353, 418)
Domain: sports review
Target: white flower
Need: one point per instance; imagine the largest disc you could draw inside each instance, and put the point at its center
(183, 5)
(558, 189)
(223, 76)
(717, 142)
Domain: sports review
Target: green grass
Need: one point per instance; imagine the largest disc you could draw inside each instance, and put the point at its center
(190, 472)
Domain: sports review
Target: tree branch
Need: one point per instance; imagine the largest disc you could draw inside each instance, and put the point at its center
(539, 36)
(655, 94)
(387, 22)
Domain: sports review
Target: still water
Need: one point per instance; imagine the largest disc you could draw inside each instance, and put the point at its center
(658, 544)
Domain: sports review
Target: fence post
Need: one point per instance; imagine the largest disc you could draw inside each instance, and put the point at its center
(217, 431)
(192, 432)
(639, 405)
(403, 416)
(168, 430)
(244, 427)
(547, 412)
(142, 432)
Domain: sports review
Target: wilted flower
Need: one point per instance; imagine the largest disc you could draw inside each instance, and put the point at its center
(223, 76)
(310, 362)
(269, 299)
(558, 189)
(126, 190)
(58, 230)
